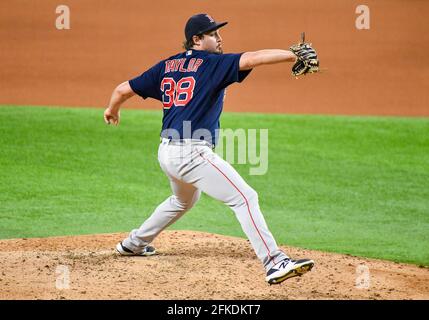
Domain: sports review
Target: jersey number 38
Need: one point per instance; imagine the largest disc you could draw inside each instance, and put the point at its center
(177, 94)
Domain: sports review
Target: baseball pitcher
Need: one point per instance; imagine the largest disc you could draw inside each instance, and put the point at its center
(191, 87)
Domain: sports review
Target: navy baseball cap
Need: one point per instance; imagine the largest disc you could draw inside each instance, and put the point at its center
(201, 23)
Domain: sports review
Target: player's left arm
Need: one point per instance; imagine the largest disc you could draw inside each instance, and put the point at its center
(120, 94)
(252, 59)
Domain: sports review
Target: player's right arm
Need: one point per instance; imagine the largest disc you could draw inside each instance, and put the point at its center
(252, 59)
(121, 93)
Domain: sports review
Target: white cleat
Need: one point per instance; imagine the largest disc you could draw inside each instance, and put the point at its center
(124, 251)
(288, 268)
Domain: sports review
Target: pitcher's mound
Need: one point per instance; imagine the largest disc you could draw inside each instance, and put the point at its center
(190, 265)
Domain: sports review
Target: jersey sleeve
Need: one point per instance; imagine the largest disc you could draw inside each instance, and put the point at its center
(147, 85)
(227, 70)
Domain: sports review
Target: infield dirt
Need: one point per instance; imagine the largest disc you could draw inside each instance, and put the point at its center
(189, 265)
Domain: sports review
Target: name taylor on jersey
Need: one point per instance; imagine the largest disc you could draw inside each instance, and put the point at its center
(177, 65)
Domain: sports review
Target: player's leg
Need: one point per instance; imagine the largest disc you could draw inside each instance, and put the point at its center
(220, 180)
(183, 198)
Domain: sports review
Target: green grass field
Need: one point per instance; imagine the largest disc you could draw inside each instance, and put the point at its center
(356, 185)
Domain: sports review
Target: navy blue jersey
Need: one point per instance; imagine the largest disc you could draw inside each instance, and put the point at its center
(191, 85)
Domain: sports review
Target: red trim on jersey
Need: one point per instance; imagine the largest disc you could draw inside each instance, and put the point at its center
(188, 91)
(247, 204)
(176, 64)
(169, 92)
(197, 64)
(182, 62)
(169, 66)
(191, 65)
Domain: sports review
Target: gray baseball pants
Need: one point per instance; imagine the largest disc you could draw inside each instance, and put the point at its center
(192, 167)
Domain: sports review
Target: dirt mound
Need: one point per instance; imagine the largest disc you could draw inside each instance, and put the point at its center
(189, 265)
